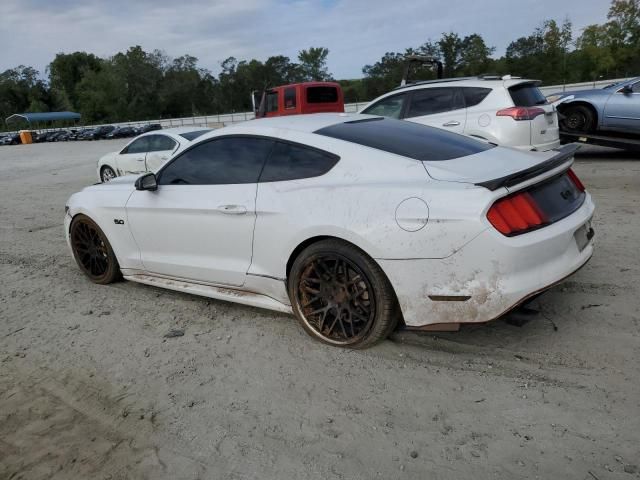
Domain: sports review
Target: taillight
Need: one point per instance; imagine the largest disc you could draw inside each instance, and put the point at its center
(516, 214)
(576, 181)
(520, 113)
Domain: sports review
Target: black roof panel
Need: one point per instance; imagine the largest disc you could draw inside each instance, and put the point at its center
(408, 139)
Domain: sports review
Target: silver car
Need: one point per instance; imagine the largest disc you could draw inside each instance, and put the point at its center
(614, 108)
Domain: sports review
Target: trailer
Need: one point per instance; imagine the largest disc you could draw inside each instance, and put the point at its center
(624, 142)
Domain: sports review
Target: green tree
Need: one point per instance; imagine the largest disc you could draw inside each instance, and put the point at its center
(593, 57)
(101, 96)
(313, 63)
(542, 55)
(65, 73)
(140, 73)
(181, 88)
(475, 56)
(22, 90)
(623, 30)
(450, 46)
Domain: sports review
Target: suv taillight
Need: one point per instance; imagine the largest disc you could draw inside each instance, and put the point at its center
(516, 214)
(520, 113)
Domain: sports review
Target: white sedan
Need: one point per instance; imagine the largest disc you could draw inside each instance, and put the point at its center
(352, 223)
(147, 152)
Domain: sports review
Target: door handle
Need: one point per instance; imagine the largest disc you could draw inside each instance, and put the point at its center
(232, 209)
(452, 123)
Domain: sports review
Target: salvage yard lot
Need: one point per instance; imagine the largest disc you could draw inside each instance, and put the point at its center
(90, 387)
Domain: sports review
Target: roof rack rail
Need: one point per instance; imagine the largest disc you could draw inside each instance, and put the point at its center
(441, 80)
(493, 76)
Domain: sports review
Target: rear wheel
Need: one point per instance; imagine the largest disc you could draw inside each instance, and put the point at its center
(107, 173)
(578, 118)
(92, 251)
(341, 296)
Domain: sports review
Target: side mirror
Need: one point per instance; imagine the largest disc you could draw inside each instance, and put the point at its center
(147, 181)
(626, 89)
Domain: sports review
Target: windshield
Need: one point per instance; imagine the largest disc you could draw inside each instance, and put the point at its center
(614, 86)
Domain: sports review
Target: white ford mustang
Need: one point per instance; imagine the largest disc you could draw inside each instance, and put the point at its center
(147, 152)
(350, 222)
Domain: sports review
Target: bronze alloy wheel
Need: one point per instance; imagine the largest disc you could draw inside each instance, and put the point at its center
(341, 296)
(92, 251)
(336, 299)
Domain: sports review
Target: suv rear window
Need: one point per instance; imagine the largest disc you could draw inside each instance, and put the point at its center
(405, 138)
(322, 94)
(527, 95)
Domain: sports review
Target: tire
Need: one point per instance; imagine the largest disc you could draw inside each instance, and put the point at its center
(107, 173)
(92, 251)
(341, 296)
(578, 118)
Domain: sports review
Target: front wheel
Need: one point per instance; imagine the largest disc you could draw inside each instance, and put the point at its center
(578, 118)
(92, 251)
(341, 296)
(107, 174)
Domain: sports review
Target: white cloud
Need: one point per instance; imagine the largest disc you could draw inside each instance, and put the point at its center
(356, 32)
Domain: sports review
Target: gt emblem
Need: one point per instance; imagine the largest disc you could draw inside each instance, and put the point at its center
(117, 221)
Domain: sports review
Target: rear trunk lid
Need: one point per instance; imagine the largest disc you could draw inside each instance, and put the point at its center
(502, 167)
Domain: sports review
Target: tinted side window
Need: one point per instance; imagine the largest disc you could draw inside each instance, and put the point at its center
(272, 102)
(291, 162)
(141, 145)
(636, 87)
(219, 162)
(290, 98)
(434, 100)
(474, 95)
(160, 143)
(322, 94)
(387, 107)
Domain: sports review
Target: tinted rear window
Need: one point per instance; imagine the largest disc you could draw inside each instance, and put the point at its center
(196, 134)
(293, 162)
(527, 95)
(405, 138)
(322, 95)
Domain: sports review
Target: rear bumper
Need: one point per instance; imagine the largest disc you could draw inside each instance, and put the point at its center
(490, 275)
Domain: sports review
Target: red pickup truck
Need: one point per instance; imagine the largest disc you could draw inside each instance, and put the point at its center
(298, 98)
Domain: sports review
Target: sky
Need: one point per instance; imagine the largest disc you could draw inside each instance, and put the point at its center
(356, 32)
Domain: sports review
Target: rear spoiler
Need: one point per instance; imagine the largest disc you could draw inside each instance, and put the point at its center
(564, 153)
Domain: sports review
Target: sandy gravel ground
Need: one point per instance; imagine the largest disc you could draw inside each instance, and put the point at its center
(91, 389)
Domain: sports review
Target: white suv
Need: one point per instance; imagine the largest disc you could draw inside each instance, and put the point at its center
(506, 110)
